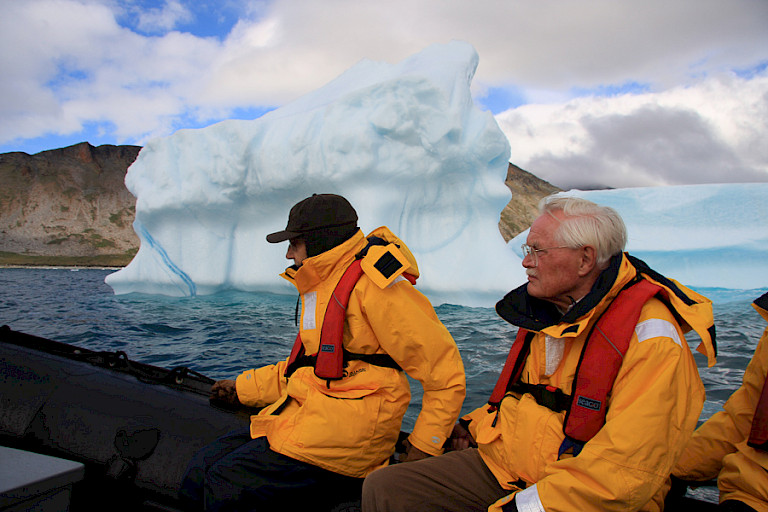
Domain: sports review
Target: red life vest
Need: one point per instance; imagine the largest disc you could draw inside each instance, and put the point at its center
(758, 434)
(330, 359)
(599, 364)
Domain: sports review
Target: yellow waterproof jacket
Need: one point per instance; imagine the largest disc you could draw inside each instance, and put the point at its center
(718, 449)
(652, 409)
(350, 426)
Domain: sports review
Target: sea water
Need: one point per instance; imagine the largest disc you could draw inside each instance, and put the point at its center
(224, 334)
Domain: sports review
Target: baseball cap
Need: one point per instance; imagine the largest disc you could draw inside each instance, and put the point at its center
(320, 211)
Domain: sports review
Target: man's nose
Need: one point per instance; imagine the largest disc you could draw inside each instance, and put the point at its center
(528, 261)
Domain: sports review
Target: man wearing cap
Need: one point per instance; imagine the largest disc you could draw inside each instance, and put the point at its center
(332, 411)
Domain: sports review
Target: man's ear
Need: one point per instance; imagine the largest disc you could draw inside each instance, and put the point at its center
(588, 262)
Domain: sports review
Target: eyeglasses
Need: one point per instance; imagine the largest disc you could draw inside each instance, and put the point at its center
(534, 253)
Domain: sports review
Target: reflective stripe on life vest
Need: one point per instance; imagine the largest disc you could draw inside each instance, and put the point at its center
(598, 366)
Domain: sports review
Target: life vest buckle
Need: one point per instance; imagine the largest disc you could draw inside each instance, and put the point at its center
(549, 398)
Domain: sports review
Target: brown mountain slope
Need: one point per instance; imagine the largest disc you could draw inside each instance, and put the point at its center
(67, 203)
(522, 209)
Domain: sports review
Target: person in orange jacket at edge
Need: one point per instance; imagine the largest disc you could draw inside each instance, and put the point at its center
(332, 411)
(732, 445)
(599, 394)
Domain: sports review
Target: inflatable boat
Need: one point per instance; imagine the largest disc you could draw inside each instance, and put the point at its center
(133, 426)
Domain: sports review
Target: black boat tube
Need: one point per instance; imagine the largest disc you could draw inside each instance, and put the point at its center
(133, 425)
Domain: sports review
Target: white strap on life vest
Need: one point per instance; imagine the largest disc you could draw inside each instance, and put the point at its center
(309, 315)
(656, 328)
(555, 350)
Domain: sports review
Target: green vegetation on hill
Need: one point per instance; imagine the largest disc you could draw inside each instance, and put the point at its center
(11, 259)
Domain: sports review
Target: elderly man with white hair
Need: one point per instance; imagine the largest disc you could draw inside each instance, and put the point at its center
(599, 392)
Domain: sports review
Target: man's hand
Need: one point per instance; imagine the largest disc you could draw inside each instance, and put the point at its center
(224, 391)
(412, 453)
(460, 439)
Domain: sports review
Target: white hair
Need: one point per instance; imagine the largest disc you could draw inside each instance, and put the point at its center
(587, 223)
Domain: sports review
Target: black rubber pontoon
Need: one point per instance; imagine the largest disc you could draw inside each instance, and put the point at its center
(133, 425)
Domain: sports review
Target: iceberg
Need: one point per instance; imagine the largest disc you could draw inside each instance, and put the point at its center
(704, 236)
(407, 146)
(404, 143)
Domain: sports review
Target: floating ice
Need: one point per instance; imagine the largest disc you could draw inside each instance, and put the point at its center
(405, 144)
(704, 236)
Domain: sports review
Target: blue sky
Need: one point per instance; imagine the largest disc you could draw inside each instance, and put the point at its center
(563, 78)
(202, 18)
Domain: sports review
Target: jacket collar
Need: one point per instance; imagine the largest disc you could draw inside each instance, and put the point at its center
(691, 309)
(522, 310)
(326, 265)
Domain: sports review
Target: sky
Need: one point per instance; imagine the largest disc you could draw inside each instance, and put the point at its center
(590, 93)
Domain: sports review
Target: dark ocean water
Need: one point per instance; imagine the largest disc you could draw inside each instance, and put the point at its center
(223, 334)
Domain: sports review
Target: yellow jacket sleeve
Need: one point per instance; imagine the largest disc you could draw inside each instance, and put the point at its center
(408, 329)
(262, 386)
(703, 456)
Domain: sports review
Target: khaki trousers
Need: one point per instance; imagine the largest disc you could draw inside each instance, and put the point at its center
(456, 481)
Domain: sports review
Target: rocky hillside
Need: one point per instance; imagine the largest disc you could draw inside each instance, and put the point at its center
(522, 209)
(69, 206)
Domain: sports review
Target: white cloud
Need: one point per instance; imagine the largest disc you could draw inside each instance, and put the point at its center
(67, 64)
(73, 64)
(712, 132)
(544, 48)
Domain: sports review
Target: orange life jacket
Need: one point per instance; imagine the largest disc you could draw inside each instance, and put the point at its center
(596, 372)
(330, 360)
